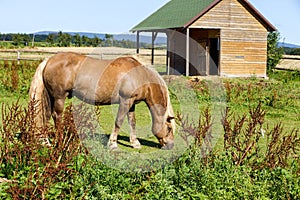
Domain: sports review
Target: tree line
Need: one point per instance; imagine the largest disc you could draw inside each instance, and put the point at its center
(62, 39)
(292, 51)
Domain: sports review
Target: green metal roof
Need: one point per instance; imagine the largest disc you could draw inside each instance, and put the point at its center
(174, 14)
(182, 13)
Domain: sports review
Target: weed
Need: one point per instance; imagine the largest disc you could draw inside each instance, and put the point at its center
(15, 77)
(33, 166)
(241, 135)
(282, 147)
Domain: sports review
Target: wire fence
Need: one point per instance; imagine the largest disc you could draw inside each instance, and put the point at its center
(38, 55)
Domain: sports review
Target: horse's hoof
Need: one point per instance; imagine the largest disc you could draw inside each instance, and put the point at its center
(136, 144)
(112, 145)
(168, 146)
(45, 141)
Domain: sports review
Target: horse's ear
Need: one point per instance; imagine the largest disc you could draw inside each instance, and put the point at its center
(170, 118)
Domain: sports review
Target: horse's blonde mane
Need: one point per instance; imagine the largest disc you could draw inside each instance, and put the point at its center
(170, 112)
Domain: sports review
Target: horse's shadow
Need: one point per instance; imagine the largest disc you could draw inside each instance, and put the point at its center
(123, 140)
(143, 142)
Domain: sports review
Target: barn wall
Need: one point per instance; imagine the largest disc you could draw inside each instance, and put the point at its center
(243, 46)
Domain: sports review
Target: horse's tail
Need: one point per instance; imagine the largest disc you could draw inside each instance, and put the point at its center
(39, 97)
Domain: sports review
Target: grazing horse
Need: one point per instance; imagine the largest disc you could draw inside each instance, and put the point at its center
(124, 81)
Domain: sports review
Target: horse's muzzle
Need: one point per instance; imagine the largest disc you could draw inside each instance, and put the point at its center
(168, 146)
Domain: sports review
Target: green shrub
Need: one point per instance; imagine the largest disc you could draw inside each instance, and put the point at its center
(274, 52)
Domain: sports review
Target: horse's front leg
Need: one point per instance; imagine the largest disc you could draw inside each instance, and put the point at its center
(123, 110)
(132, 122)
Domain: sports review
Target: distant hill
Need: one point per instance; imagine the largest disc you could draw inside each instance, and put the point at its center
(288, 45)
(129, 36)
(90, 35)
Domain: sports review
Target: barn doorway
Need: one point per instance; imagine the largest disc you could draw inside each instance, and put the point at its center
(205, 56)
(204, 52)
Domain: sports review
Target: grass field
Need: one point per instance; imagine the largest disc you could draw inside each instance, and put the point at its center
(252, 154)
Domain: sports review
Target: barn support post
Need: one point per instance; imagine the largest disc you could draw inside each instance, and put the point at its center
(168, 53)
(138, 42)
(207, 58)
(154, 35)
(187, 64)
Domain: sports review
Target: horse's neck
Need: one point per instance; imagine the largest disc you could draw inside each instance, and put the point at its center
(158, 114)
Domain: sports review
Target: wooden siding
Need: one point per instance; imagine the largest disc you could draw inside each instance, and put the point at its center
(243, 39)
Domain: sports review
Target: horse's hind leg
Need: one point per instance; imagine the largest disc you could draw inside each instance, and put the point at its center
(131, 120)
(58, 108)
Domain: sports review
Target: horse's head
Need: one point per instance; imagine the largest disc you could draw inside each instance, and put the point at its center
(166, 134)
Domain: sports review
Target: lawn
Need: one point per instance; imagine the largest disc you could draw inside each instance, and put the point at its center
(235, 139)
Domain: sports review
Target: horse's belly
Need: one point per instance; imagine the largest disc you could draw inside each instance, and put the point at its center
(88, 89)
(97, 97)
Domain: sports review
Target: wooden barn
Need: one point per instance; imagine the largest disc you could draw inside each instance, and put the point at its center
(211, 37)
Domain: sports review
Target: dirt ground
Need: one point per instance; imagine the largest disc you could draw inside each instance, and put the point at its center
(289, 62)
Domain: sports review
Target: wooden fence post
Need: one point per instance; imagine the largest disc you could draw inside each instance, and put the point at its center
(18, 56)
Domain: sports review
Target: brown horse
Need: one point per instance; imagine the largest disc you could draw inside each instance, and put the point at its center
(124, 81)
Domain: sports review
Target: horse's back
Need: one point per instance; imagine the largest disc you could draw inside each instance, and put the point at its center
(94, 80)
(114, 78)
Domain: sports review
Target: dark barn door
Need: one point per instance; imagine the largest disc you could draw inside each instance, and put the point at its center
(214, 52)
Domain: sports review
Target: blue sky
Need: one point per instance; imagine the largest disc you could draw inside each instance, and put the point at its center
(119, 16)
